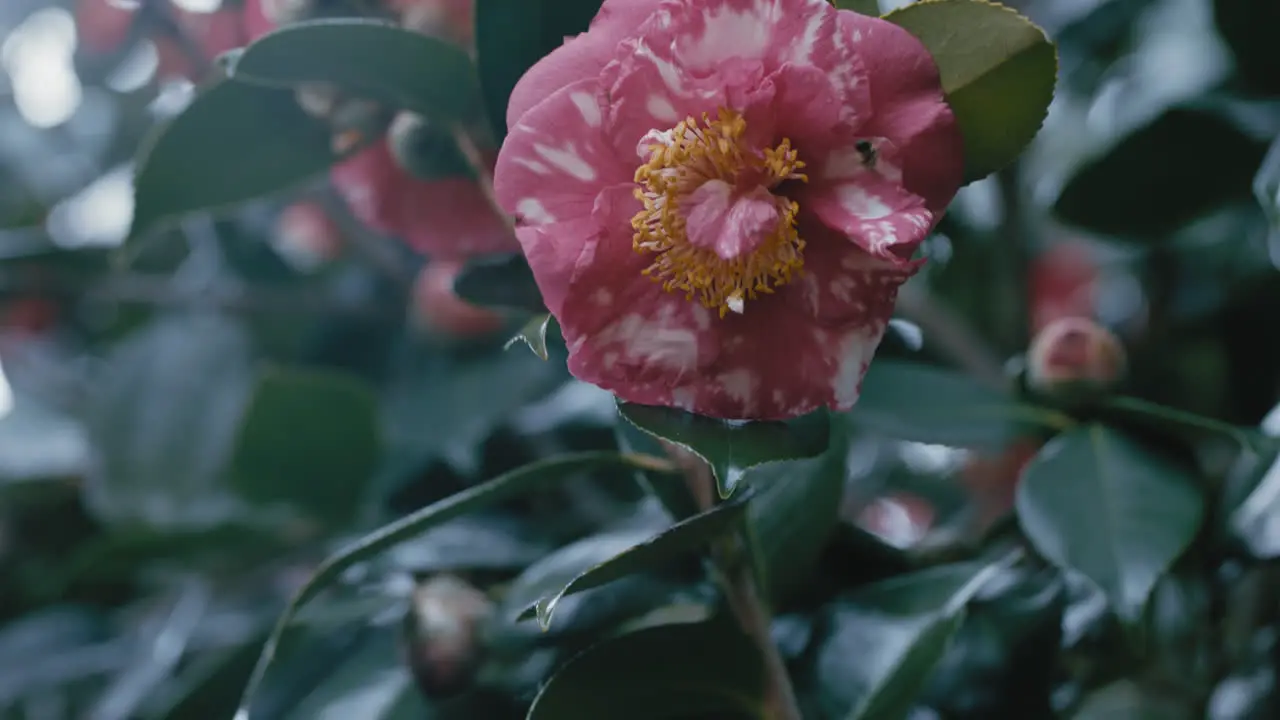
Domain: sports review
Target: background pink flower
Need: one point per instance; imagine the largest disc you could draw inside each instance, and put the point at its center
(817, 153)
(446, 219)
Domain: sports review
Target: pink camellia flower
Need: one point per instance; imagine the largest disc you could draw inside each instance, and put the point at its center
(447, 219)
(720, 198)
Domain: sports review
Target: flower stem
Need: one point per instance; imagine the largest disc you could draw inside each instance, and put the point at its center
(734, 559)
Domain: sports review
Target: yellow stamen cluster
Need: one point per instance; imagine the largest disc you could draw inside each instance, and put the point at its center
(690, 155)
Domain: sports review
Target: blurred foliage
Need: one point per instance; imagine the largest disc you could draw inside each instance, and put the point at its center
(241, 449)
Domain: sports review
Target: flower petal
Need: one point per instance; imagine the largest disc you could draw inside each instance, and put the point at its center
(842, 283)
(805, 347)
(446, 219)
(554, 162)
(580, 57)
(857, 190)
(910, 108)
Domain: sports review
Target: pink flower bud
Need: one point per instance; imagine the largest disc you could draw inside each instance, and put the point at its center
(306, 235)
(444, 634)
(1074, 357)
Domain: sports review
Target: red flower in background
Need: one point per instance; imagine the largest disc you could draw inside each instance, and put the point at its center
(438, 308)
(446, 219)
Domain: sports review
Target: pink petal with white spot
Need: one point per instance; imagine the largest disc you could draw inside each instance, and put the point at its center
(842, 284)
(870, 206)
(624, 332)
(788, 354)
(554, 161)
(910, 108)
(446, 219)
(580, 57)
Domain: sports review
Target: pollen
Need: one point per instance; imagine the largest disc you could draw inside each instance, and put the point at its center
(680, 162)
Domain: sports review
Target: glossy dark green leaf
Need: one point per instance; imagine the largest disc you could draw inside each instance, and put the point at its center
(512, 35)
(864, 7)
(1180, 421)
(445, 408)
(528, 478)
(796, 510)
(1096, 502)
(310, 440)
(1251, 502)
(550, 574)
(998, 74)
(681, 670)
(402, 68)
(913, 401)
(372, 683)
(887, 638)
(1176, 168)
(657, 551)
(732, 448)
(504, 281)
(163, 417)
(1266, 186)
(670, 490)
(233, 143)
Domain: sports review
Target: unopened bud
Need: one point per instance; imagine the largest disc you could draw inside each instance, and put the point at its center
(444, 628)
(437, 308)
(426, 150)
(306, 236)
(1075, 358)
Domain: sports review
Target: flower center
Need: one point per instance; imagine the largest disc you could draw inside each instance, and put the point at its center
(716, 230)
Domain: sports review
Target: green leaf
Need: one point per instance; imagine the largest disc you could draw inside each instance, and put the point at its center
(503, 281)
(309, 439)
(862, 7)
(1180, 421)
(732, 448)
(998, 74)
(233, 143)
(1095, 502)
(399, 67)
(371, 683)
(1161, 176)
(887, 638)
(681, 670)
(796, 510)
(534, 335)
(163, 416)
(659, 550)
(512, 35)
(1266, 186)
(550, 574)
(671, 490)
(528, 478)
(444, 407)
(913, 401)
